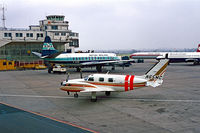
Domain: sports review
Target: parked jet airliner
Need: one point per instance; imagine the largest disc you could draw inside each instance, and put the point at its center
(172, 56)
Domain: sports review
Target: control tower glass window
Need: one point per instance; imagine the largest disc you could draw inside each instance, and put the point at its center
(54, 27)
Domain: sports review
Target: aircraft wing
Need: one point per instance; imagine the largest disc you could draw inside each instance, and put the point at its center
(97, 89)
(98, 63)
(37, 54)
(116, 62)
(54, 55)
(47, 56)
(191, 59)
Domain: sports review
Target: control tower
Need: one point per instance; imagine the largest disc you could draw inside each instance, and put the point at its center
(18, 43)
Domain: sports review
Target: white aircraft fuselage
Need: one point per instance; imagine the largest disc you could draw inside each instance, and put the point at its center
(78, 59)
(113, 82)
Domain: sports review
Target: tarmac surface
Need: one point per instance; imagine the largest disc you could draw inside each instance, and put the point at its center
(15, 120)
(173, 107)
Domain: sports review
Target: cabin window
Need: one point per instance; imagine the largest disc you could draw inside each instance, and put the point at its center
(101, 79)
(86, 78)
(110, 79)
(91, 79)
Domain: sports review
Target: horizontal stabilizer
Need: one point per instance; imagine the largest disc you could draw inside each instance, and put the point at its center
(37, 54)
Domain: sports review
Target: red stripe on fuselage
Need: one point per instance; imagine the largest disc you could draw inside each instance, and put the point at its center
(131, 82)
(126, 83)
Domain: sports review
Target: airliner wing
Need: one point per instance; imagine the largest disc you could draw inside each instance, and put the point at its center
(37, 54)
(116, 62)
(191, 59)
(97, 89)
(98, 63)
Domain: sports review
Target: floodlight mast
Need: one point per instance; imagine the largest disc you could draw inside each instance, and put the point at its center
(3, 17)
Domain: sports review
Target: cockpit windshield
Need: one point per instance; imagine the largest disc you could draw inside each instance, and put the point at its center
(86, 78)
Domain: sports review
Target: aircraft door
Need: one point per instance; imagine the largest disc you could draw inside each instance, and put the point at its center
(167, 55)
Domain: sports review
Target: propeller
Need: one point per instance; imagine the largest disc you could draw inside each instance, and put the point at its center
(67, 77)
(81, 74)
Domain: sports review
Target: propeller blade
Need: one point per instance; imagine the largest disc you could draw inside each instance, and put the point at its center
(67, 77)
(81, 74)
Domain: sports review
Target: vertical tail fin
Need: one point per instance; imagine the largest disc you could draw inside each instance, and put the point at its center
(198, 49)
(48, 48)
(156, 73)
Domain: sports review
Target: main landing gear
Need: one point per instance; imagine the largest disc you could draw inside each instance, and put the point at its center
(94, 97)
(75, 95)
(107, 93)
(78, 69)
(196, 63)
(50, 68)
(99, 68)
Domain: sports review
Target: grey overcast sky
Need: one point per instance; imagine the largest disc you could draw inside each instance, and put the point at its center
(116, 24)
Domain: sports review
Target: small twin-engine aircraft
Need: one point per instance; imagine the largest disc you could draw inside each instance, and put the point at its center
(115, 83)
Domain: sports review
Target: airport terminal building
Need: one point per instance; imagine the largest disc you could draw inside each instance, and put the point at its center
(17, 44)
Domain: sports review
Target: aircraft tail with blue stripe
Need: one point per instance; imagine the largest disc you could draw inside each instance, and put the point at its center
(47, 48)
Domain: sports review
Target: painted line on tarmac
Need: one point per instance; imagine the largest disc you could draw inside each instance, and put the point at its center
(83, 97)
(166, 100)
(35, 96)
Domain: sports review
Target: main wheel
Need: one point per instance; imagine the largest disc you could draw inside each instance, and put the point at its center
(76, 95)
(94, 100)
(50, 69)
(78, 69)
(196, 63)
(107, 93)
(99, 68)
